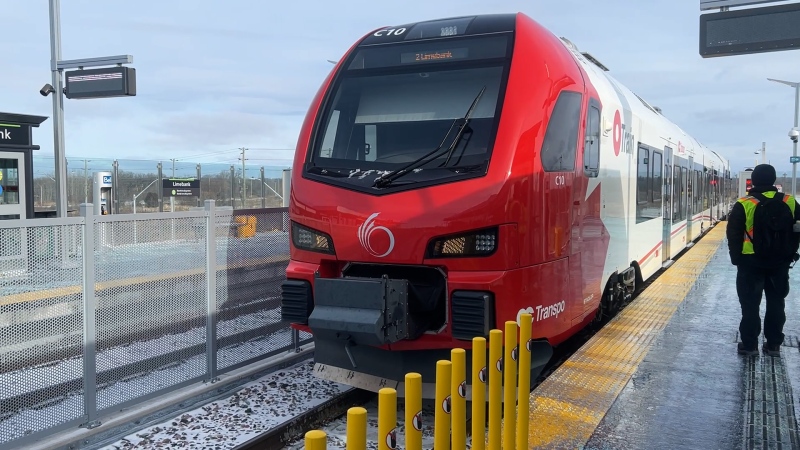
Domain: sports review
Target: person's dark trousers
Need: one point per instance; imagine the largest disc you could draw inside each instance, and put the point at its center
(750, 283)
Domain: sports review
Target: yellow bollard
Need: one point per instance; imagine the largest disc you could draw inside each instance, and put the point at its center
(458, 392)
(356, 428)
(495, 371)
(479, 393)
(510, 386)
(413, 411)
(387, 419)
(441, 419)
(524, 380)
(316, 440)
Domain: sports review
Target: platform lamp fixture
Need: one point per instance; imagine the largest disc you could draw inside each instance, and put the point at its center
(793, 133)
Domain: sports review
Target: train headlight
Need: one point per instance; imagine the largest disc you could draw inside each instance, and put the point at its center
(312, 240)
(475, 243)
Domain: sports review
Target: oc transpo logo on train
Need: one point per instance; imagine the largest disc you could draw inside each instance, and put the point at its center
(542, 312)
(371, 241)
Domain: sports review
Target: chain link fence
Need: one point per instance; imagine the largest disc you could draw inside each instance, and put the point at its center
(138, 184)
(99, 313)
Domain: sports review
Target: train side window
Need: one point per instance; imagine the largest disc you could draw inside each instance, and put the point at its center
(642, 184)
(686, 193)
(677, 194)
(697, 192)
(330, 136)
(561, 139)
(656, 188)
(591, 149)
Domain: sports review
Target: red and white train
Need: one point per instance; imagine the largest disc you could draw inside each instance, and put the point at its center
(451, 174)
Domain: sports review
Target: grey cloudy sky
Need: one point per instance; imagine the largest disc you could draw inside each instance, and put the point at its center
(216, 75)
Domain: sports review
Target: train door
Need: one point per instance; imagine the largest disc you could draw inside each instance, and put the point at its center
(667, 222)
(588, 252)
(690, 201)
(559, 164)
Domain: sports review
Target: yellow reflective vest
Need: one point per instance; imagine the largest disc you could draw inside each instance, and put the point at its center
(749, 203)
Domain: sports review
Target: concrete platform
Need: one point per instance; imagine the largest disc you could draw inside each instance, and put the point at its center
(664, 374)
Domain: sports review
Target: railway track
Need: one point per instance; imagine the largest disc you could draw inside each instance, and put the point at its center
(289, 431)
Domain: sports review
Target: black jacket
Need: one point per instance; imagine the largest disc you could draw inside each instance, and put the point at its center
(735, 233)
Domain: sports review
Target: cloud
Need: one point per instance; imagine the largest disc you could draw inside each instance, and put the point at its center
(229, 128)
(213, 76)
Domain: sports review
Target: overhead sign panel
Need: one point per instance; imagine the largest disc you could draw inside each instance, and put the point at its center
(747, 31)
(716, 4)
(101, 83)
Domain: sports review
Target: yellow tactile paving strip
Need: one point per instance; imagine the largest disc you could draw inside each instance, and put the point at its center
(568, 406)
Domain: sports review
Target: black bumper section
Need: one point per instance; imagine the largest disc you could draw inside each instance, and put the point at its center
(367, 311)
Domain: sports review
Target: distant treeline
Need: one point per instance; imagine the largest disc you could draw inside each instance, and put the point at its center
(221, 186)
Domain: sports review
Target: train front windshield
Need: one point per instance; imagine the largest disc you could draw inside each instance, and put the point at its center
(394, 104)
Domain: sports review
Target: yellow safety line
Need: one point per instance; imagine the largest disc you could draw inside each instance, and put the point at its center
(75, 289)
(568, 406)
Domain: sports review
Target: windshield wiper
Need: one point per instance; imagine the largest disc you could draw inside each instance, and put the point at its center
(385, 180)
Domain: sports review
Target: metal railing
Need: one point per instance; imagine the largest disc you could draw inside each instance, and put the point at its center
(98, 313)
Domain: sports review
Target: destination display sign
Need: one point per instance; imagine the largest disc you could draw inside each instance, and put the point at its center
(751, 30)
(470, 49)
(15, 134)
(101, 83)
(435, 55)
(181, 187)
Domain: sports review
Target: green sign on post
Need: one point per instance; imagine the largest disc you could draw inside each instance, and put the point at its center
(181, 187)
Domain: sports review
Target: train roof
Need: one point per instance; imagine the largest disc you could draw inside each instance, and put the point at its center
(455, 26)
(641, 108)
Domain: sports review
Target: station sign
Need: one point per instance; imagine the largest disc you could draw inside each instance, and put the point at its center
(794, 159)
(716, 4)
(750, 30)
(181, 187)
(100, 83)
(15, 134)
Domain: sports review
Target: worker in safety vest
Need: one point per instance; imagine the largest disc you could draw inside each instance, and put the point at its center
(763, 254)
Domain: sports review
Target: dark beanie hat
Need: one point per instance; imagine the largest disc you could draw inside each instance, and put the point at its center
(763, 175)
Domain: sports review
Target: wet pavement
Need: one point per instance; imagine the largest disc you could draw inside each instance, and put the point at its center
(692, 390)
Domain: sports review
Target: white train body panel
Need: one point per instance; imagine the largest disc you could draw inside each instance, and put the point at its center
(669, 212)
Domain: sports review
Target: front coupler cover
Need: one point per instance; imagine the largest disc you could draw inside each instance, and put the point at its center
(368, 311)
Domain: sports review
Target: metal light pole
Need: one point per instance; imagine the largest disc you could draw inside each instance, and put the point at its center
(796, 87)
(86, 181)
(58, 109)
(172, 197)
(56, 66)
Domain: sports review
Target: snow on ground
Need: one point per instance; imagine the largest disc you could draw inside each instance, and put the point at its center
(256, 408)
(59, 371)
(337, 429)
